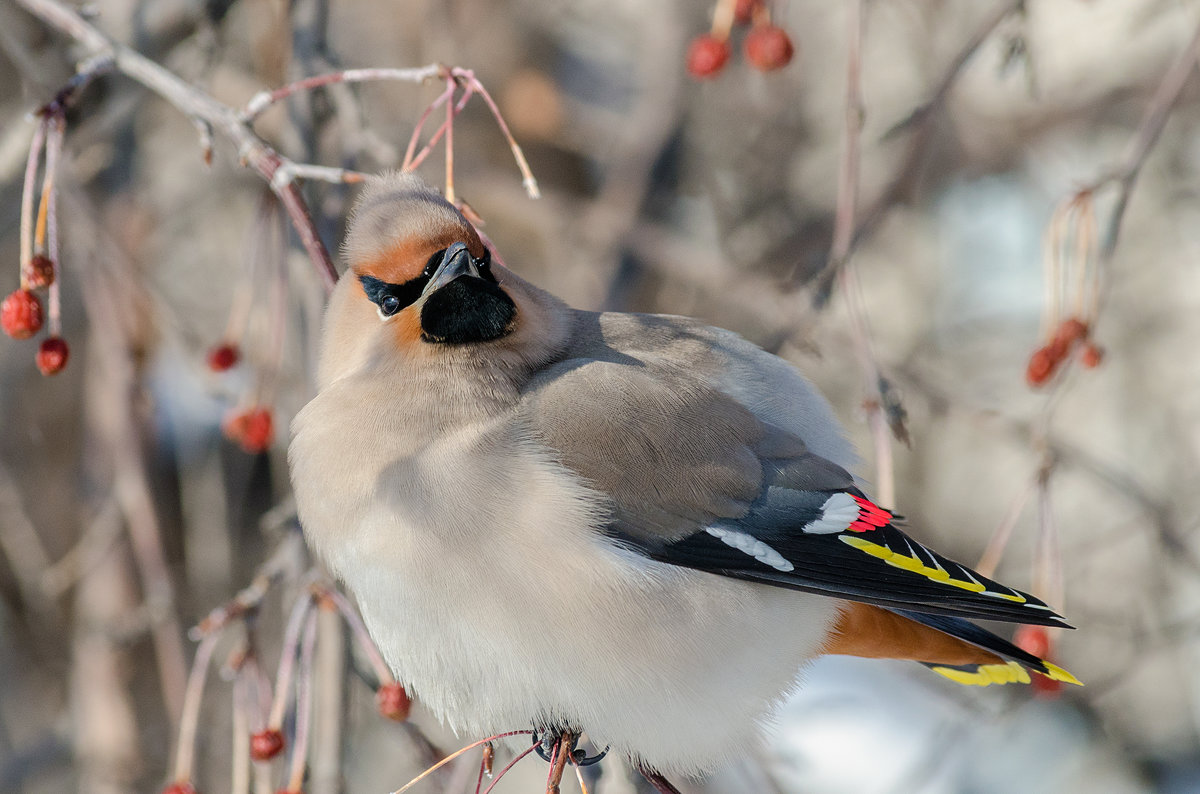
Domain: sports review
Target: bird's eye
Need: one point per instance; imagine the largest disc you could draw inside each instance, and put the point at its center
(389, 305)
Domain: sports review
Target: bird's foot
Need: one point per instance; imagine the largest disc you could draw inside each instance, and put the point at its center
(550, 739)
(557, 746)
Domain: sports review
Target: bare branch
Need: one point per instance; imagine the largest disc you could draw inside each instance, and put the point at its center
(910, 166)
(253, 151)
(1153, 121)
(264, 99)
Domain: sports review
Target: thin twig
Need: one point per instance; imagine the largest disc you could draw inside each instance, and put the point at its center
(264, 99)
(483, 767)
(119, 432)
(847, 196)
(583, 789)
(990, 560)
(100, 533)
(27, 193)
(359, 629)
(843, 236)
(1047, 567)
(186, 752)
(329, 682)
(1153, 121)
(304, 704)
(419, 158)
(510, 765)
(289, 172)
(660, 783)
(527, 179)
(459, 752)
(287, 660)
(449, 126)
(240, 761)
(443, 97)
(250, 597)
(923, 119)
(54, 144)
(558, 763)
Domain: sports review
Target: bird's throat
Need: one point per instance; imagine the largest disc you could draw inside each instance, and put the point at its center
(467, 310)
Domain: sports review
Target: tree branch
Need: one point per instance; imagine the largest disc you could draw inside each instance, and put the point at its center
(253, 151)
(922, 119)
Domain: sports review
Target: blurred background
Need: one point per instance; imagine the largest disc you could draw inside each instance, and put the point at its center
(126, 514)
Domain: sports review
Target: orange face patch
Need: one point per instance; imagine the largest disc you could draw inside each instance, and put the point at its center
(406, 328)
(406, 259)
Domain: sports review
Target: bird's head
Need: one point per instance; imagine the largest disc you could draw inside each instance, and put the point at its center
(421, 285)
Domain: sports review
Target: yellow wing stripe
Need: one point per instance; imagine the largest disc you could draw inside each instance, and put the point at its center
(986, 674)
(907, 563)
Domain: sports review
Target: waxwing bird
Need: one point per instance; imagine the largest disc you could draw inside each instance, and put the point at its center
(634, 526)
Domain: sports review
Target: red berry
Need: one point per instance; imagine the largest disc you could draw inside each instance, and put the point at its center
(706, 56)
(1044, 686)
(222, 357)
(1058, 349)
(393, 702)
(253, 430)
(1071, 331)
(743, 12)
(52, 355)
(180, 787)
(38, 271)
(21, 314)
(768, 48)
(1092, 355)
(1041, 366)
(266, 744)
(1034, 640)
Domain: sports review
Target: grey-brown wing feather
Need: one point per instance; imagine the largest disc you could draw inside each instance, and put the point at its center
(693, 477)
(670, 454)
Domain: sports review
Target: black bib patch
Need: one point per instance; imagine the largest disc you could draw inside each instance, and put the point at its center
(466, 310)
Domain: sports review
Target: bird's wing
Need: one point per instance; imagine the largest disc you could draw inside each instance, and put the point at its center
(693, 478)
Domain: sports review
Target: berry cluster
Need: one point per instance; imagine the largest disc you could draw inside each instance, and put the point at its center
(294, 685)
(1071, 334)
(251, 424)
(1072, 270)
(22, 313)
(767, 47)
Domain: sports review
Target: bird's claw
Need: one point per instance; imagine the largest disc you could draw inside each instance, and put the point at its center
(547, 740)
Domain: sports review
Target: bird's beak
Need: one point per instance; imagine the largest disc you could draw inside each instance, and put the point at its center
(455, 262)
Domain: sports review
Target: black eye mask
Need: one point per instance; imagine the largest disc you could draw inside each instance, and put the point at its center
(391, 298)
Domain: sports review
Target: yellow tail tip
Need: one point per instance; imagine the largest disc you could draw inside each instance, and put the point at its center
(1056, 673)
